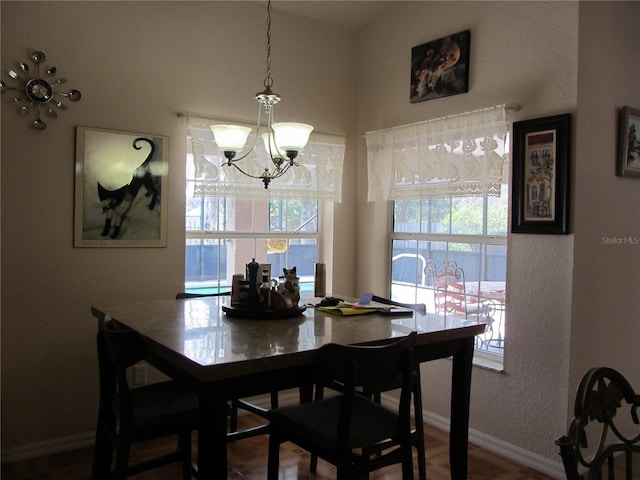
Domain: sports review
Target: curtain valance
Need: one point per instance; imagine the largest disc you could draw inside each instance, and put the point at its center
(319, 175)
(460, 155)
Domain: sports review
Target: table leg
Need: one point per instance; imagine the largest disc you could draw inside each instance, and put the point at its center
(460, 396)
(212, 435)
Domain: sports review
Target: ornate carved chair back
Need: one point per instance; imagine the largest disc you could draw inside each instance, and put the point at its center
(604, 435)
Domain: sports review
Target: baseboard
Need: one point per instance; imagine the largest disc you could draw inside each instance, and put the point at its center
(504, 449)
(48, 447)
(291, 397)
(86, 440)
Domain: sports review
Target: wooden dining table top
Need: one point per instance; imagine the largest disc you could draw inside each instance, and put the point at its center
(199, 336)
(224, 357)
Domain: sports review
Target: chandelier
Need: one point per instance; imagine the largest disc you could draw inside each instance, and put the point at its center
(282, 141)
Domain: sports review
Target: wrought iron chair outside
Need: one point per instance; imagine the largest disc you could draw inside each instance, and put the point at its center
(337, 427)
(450, 295)
(449, 288)
(595, 438)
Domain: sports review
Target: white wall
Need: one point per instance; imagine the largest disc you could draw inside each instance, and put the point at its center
(562, 303)
(137, 64)
(606, 301)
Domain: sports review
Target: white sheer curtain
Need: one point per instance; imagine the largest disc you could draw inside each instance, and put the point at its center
(319, 175)
(460, 155)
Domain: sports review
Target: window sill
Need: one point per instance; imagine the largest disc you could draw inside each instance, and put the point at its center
(488, 361)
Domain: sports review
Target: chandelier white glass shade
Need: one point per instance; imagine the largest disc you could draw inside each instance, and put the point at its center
(290, 136)
(283, 141)
(230, 138)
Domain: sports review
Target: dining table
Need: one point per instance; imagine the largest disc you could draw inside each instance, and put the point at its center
(202, 344)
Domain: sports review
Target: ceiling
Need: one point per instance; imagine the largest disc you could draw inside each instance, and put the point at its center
(350, 14)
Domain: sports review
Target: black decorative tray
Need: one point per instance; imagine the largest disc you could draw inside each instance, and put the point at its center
(244, 312)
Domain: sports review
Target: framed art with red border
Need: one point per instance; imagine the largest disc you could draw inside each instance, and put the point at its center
(540, 191)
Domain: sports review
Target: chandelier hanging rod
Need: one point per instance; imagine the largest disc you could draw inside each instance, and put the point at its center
(283, 141)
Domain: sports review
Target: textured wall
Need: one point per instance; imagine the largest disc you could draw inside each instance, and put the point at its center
(606, 324)
(522, 53)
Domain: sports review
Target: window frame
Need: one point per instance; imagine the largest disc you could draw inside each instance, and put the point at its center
(220, 236)
(483, 358)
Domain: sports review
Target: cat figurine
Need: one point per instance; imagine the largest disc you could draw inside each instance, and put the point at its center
(290, 287)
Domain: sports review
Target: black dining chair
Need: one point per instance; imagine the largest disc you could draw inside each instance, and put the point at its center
(337, 428)
(417, 434)
(603, 440)
(130, 415)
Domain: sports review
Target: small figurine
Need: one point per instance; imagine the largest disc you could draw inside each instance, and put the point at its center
(290, 288)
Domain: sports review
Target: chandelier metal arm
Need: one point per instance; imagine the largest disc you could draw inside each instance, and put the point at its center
(267, 176)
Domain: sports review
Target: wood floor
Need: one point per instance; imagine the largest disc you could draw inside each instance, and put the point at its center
(248, 461)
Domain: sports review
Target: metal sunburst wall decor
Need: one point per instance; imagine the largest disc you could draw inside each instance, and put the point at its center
(37, 92)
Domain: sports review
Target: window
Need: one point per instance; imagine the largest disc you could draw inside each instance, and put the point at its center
(469, 233)
(231, 219)
(224, 234)
(448, 182)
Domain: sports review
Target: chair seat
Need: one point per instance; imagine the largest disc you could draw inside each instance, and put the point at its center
(317, 422)
(164, 403)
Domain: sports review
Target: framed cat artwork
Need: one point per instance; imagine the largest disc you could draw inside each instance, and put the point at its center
(121, 180)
